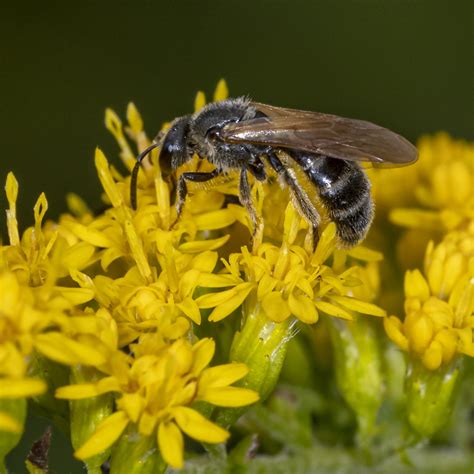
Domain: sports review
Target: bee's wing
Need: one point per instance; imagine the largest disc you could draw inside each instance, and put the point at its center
(330, 135)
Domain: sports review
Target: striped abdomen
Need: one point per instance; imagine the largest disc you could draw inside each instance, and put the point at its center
(344, 190)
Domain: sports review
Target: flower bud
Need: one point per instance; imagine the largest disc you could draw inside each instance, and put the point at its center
(358, 370)
(136, 454)
(430, 397)
(87, 414)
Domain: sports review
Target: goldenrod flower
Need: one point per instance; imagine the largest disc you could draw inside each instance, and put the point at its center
(443, 187)
(289, 280)
(156, 392)
(439, 322)
(116, 298)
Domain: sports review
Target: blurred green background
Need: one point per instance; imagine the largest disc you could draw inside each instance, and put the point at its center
(405, 64)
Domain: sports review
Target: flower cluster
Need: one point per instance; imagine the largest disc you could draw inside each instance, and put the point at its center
(439, 300)
(131, 303)
(439, 305)
(82, 290)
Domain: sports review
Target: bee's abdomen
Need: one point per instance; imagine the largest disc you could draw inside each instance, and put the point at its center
(344, 190)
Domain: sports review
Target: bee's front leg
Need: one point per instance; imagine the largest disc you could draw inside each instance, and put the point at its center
(182, 188)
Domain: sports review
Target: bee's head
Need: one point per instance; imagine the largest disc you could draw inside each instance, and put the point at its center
(174, 149)
(174, 152)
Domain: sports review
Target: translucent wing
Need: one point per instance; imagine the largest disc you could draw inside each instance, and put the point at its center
(330, 135)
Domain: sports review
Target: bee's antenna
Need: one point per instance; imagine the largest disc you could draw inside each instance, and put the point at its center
(133, 181)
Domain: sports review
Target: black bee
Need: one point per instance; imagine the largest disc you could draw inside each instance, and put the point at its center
(237, 134)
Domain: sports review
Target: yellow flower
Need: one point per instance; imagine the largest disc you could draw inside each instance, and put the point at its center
(439, 322)
(444, 186)
(156, 392)
(289, 280)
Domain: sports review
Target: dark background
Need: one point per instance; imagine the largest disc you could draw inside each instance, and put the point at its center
(405, 64)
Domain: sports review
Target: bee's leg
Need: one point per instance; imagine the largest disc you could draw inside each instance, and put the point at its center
(246, 201)
(301, 200)
(182, 189)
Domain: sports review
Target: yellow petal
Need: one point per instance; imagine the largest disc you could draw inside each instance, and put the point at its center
(275, 306)
(363, 253)
(104, 436)
(113, 124)
(77, 392)
(136, 247)
(61, 349)
(87, 390)
(134, 118)
(416, 285)
(222, 91)
(18, 388)
(147, 423)
(229, 306)
(198, 427)
(223, 375)
(199, 101)
(76, 296)
(190, 308)
(325, 245)
(420, 333)
(433, 356)
(416, 219)
(11, 188)
(105, 176)
(88, 234)
(188, 281)
(303, 308)
(393, 328)
(9, 424)
(360, 306)
(203, 353)
(211, 300)
(110, 255)
(211, 280)
(333, 310)
(170, 442)
(214, 220)
(77, 256)
(77, 205)
(205, 261)
(228, 396)
(266, 284)
(197, 246)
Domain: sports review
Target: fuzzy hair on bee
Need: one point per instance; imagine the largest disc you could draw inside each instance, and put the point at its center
(250, 138)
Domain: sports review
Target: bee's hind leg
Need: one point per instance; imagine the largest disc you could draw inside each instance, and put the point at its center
(246, 201)
(300, 198)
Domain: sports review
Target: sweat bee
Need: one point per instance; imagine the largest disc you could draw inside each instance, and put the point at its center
(248, 137)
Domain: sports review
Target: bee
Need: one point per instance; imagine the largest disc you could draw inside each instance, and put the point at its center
(251, 138)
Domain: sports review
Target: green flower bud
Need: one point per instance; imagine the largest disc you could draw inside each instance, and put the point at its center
(358, 370)
(430, 397)
(261, 345)
(87, 414)
(136, 454)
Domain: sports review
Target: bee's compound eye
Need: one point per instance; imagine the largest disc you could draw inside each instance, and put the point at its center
(213, 134)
